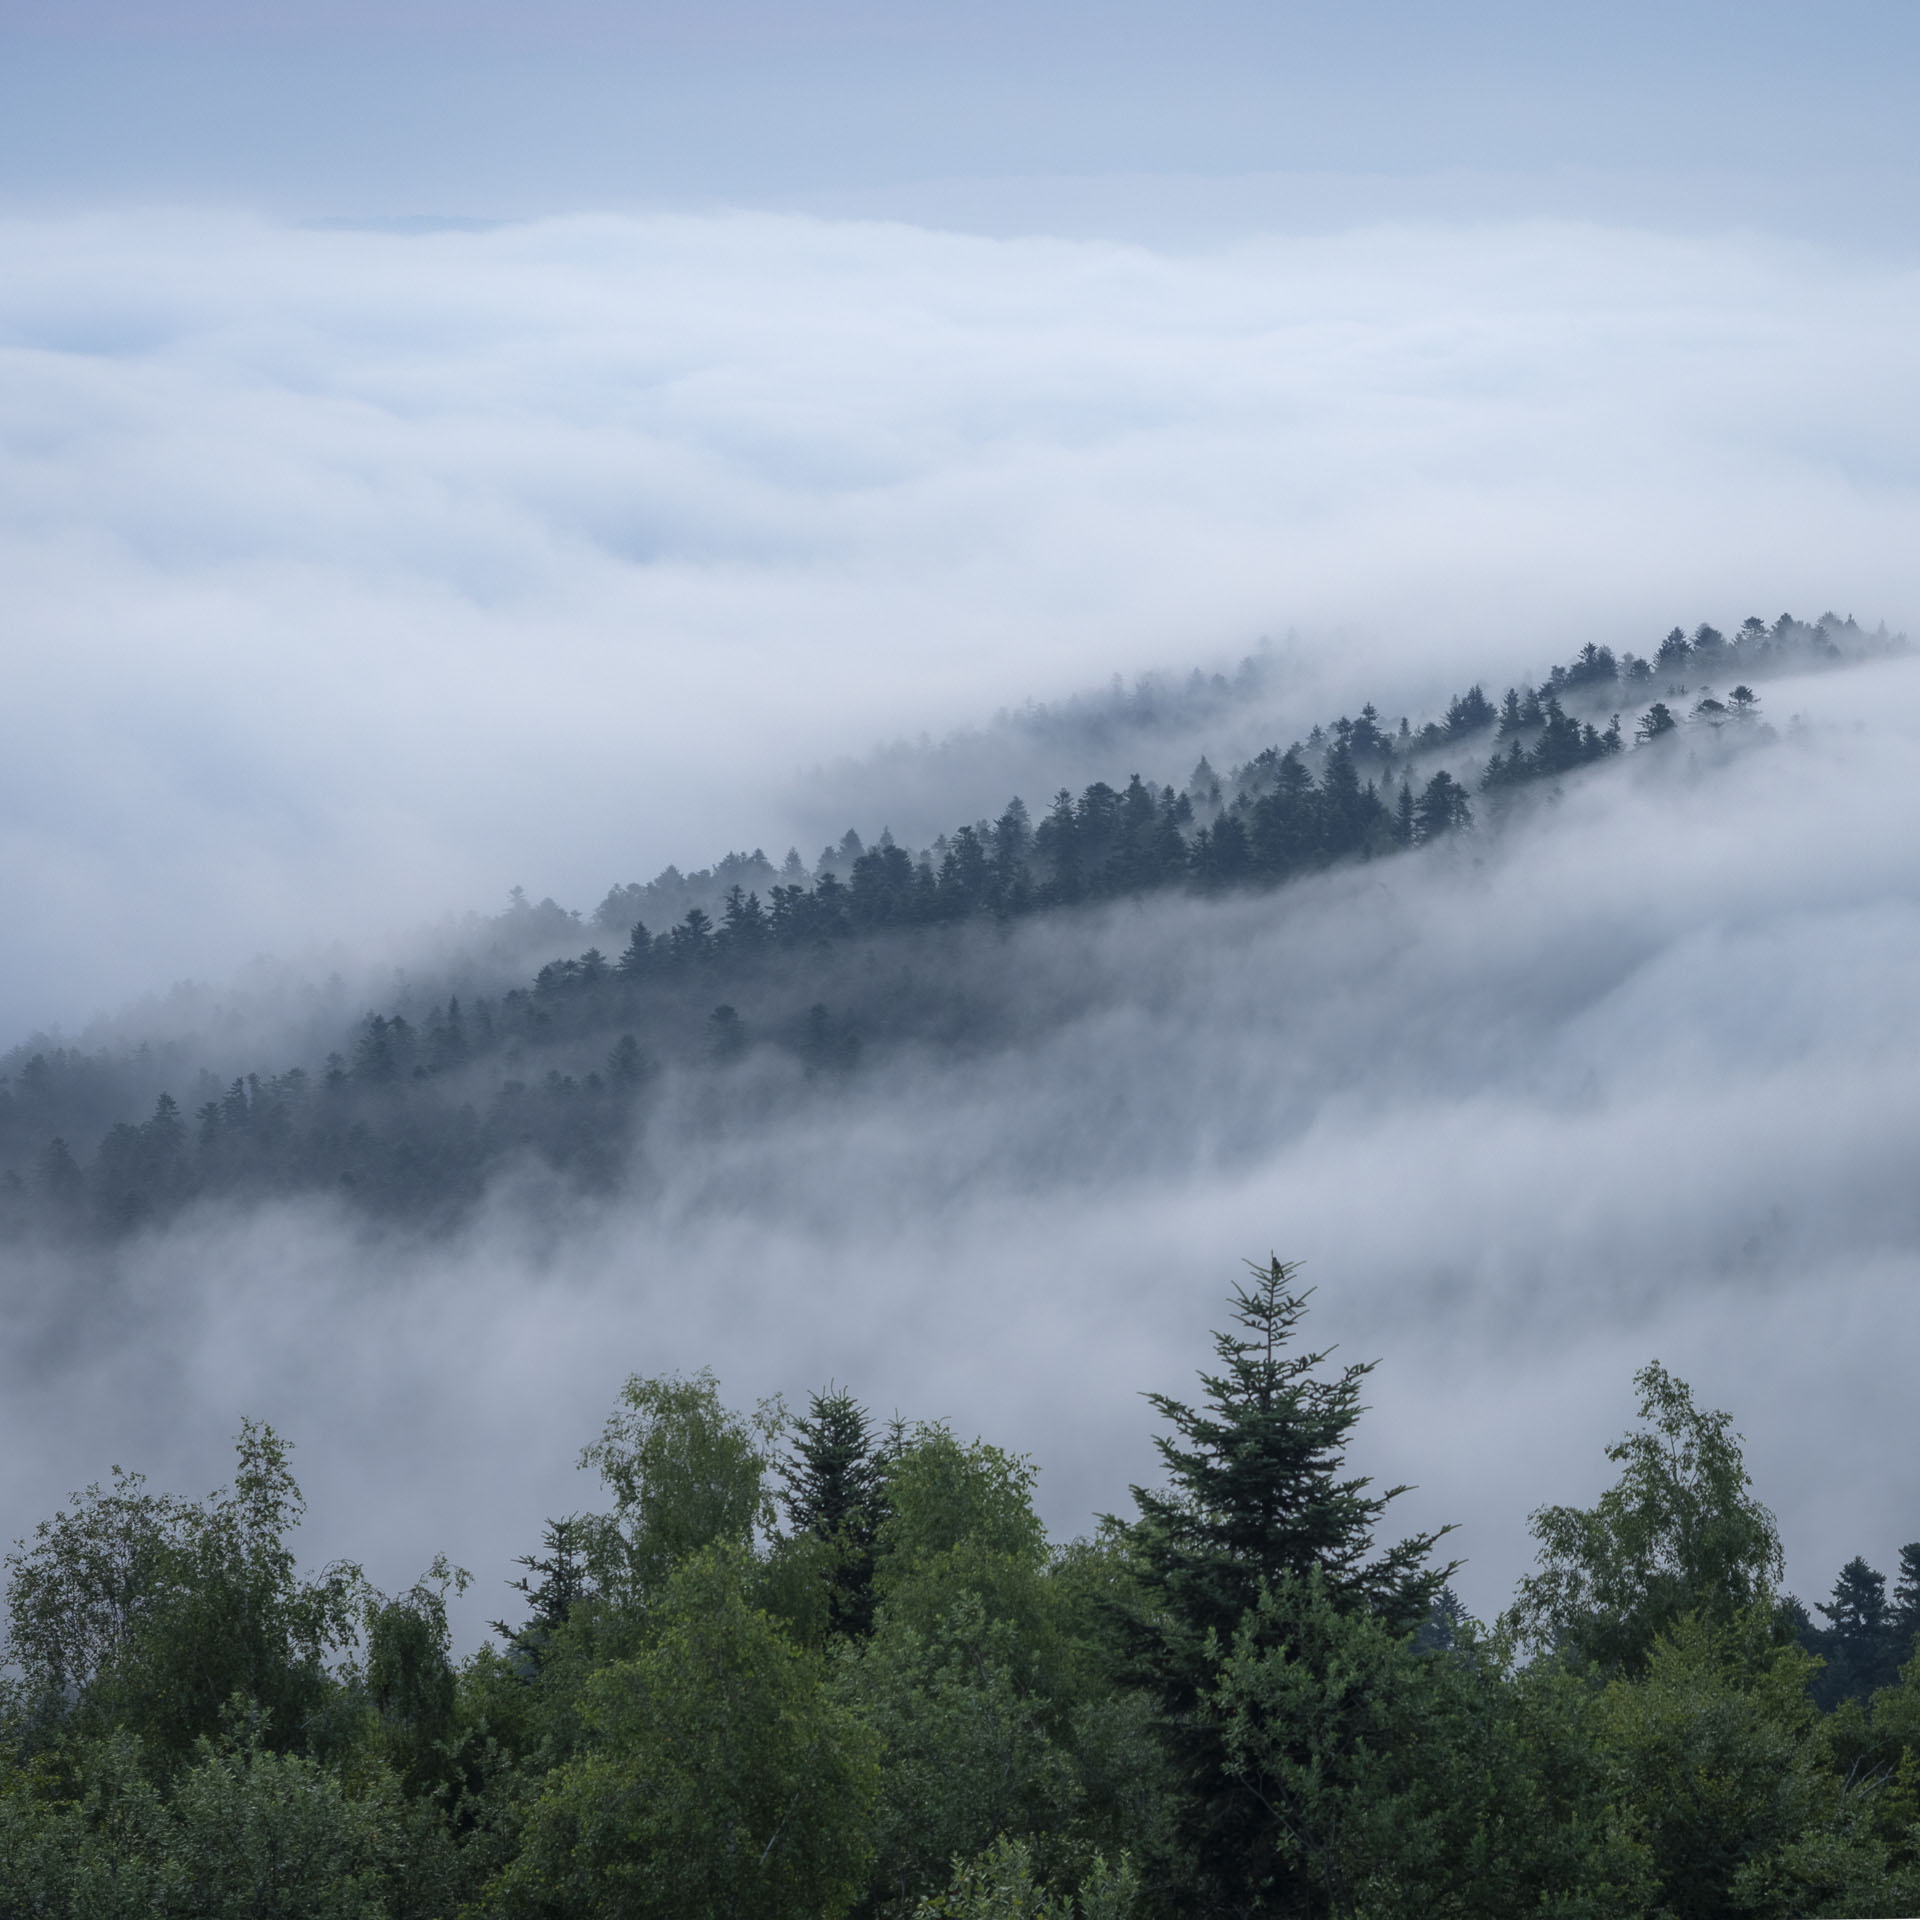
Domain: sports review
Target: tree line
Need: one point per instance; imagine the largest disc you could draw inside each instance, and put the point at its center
(815, 1665)
(876, 948)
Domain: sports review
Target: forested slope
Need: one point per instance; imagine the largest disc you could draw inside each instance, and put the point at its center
(875, 950)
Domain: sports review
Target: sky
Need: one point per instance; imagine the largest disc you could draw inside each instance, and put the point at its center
(450, 448)
(1094, 114)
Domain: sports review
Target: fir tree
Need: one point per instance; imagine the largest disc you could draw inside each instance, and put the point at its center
(1258, 1500)
(1859, 1643)
(834, 1491)
(1257, 1485)
(1905, 1617)
(553, 1584)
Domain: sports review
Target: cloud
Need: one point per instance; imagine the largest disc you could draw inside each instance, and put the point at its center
(354, 577)
(1626, 1075)
(351, 577)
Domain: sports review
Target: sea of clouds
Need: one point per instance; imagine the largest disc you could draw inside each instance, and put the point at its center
(1627, 1075)
(352, 577)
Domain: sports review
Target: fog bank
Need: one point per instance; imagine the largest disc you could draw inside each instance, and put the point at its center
(354, 577)
(1629, 1075)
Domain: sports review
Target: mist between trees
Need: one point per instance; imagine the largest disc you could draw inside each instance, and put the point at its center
(816, 1664)
(875, 952)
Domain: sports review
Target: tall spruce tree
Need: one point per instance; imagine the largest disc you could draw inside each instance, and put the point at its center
(1257, 1499)
(1858, 1644)
(553, 1587)
(1257, 1483)
(833, 1476)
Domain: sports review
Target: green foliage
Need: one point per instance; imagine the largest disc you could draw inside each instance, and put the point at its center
(1716, 1757)
(1258, 1499)
(966, 1740)
(832, 1471)
(410, 1679)
(912, 1706)
(1257, 1488)
(552, 1586)
(959, 1518)
(1001, 1884)
(685, 1473)
(1677, 1533)
(1868, 1636)
(722, 1778)
(151, 1613)
(1336, 1731)
(244, 1834)
(836, 1498)
(961, 1680)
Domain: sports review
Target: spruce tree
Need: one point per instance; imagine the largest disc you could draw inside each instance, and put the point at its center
(1257, 1483)
(834, 1476)
(1258, 1500)
(1858, 1644)
(1904, 1619)
(553, 1586)
(636, 963)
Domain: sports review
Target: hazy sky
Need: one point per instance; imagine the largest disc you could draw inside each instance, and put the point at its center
(451, 446)
(1008, 114)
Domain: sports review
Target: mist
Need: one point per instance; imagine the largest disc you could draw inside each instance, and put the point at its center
(444, 452)
(355, 577)
(1622, 1074)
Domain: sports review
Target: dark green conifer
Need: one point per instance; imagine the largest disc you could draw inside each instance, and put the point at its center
(834, 1475)
(1257, 1497)
(1904, 1616)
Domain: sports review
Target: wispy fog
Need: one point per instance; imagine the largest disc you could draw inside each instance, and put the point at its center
(1630, 1074)
(352, 577)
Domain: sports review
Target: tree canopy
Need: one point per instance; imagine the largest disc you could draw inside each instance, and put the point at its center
(1234, 1701)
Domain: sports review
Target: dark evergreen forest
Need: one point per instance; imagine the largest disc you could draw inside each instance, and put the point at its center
(806, 1665)
(875, 950)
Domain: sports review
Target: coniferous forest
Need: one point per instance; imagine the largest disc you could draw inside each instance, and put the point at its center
(876, 950)
(810, 1663)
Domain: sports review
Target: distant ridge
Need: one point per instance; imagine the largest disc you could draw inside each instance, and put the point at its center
(809, 969)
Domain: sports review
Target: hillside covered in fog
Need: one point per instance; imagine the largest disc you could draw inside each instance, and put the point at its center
(702, 1002)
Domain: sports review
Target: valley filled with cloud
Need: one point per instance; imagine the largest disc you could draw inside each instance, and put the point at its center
(356, 574)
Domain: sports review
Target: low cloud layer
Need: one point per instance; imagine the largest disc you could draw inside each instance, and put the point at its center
(351, 578)
(1627, 1075)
